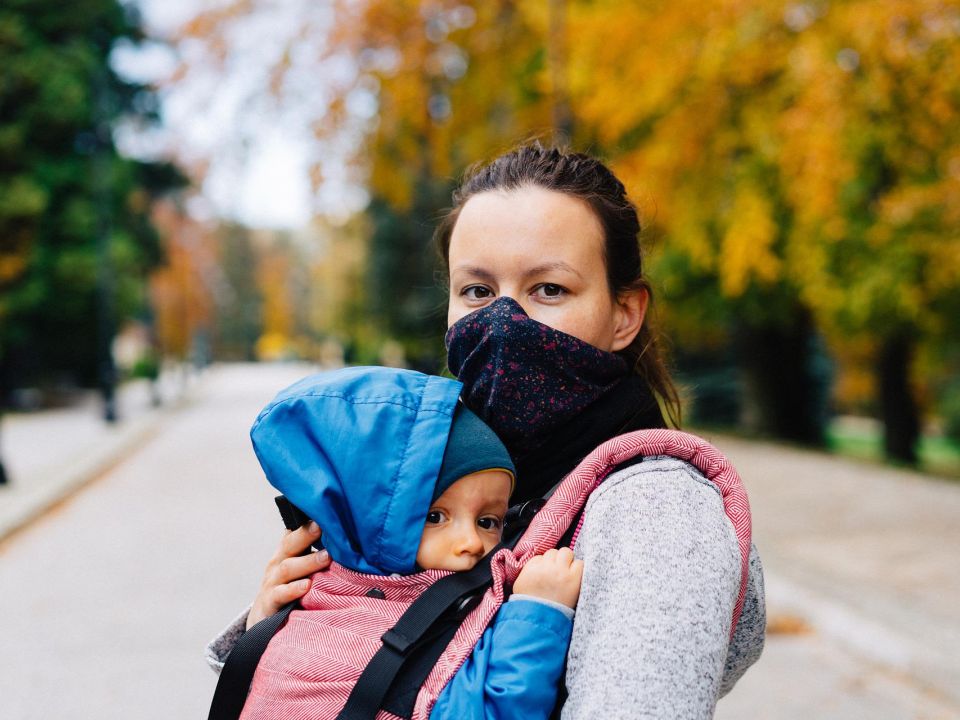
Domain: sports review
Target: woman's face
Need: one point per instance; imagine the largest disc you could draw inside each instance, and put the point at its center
(544, 249)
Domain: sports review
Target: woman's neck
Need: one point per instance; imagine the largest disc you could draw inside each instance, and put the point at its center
(629, 405)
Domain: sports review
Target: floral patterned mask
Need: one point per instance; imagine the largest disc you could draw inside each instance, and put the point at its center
(525, 378)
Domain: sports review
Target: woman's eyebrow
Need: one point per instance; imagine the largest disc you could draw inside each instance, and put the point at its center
(547, 267)
(484, 274)
(474, 271)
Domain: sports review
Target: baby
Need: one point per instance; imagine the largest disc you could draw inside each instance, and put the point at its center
(407, 483)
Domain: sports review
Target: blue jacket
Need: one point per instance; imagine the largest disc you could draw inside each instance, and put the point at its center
(359, 451)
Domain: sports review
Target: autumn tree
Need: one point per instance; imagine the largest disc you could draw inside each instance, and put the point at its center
(238, 297)
(797, 161)
(800, 156)
(185, 288)
(417, 92)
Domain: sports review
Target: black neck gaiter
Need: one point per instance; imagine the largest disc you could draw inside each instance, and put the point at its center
(627, 406)
(522, 377)
(550, 397)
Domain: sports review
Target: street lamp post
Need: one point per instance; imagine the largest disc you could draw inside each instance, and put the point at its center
(3, 472)
(102, 182)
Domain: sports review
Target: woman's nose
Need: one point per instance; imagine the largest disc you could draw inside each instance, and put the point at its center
(517, 297)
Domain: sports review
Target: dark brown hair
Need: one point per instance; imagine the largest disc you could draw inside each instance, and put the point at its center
(587, 178)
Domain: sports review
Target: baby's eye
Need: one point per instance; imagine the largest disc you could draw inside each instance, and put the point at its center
(489, 523)
(435, 517)
(477, 292)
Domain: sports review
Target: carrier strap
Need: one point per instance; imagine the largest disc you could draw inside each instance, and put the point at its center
(416, 627)
(241, 665)
(402, 696)
(238, 671)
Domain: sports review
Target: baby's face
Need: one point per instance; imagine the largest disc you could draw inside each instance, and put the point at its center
(465, 522)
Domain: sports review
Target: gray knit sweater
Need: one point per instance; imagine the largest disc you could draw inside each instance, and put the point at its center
(661, 573)
(661, 576)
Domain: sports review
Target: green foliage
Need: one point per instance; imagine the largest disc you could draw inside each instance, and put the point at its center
(404, 295)
(147, 367)
(950, 407)
(63, 186)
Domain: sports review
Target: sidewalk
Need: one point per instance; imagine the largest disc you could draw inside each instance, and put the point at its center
(50, 454)
(860, 554)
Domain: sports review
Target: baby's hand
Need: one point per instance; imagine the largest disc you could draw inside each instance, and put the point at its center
(555, 575)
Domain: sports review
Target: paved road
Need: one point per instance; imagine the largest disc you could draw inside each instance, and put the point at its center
(108, 600)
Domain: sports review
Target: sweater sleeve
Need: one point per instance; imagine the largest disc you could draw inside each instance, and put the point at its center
(219, 648)
(514, 670)
(747, 641)
(661, 577)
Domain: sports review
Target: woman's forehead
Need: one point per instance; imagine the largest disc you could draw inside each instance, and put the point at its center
(525, 227)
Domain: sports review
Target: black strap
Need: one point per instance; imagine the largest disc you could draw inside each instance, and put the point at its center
(238, 671)
(402, 695)
(241, 664)
(410, 648)
(415, 628)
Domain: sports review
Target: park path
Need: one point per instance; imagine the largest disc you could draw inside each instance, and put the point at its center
(863, 586)
(109, 598)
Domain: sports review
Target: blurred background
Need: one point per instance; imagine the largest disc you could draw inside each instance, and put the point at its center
(201, 200)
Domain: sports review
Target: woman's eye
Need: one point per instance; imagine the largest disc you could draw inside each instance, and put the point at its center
(477, 292)
(549, 290)
(489, 523)
(434, 517)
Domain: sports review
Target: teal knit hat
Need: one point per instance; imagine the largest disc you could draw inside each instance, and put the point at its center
(471, 447)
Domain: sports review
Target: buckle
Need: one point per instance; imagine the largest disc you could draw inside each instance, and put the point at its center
(530, 508)
(396, 642)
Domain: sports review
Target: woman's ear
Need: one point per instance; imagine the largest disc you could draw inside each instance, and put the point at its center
(631, 308)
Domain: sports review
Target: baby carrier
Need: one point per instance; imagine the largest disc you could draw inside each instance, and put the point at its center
(385, 645)
(419, 629)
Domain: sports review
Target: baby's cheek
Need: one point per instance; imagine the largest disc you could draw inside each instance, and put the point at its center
(425, 552)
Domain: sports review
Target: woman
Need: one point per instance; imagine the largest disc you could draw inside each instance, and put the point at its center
(547, 333)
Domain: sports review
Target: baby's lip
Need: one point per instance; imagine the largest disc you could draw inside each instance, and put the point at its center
(464, 564)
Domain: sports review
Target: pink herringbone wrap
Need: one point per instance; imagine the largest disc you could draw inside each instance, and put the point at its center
(313, 662)
(315, 659)
(551, 522)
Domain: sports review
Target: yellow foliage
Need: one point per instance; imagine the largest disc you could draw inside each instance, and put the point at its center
(841, 120)
(746, 251)
(273, 279)
(274, 346)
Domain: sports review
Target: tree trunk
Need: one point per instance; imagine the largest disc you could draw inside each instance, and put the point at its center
(557, 60)
(898, 409)
(783, 396)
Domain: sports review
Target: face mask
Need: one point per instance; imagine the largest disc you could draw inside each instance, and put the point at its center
(522, 377)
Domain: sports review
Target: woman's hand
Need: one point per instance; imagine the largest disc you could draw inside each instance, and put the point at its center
(555, 575)
(287, 575)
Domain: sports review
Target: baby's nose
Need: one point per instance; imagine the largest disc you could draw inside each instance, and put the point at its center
(471, 542)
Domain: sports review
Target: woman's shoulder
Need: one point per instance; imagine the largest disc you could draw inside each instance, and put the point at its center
(659, 508)
(664, 474)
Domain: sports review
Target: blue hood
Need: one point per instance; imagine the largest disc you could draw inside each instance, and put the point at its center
(359, 451)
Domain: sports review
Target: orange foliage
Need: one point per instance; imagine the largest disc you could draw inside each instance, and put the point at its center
(273, 279)
(180, 291)
(810, 146)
